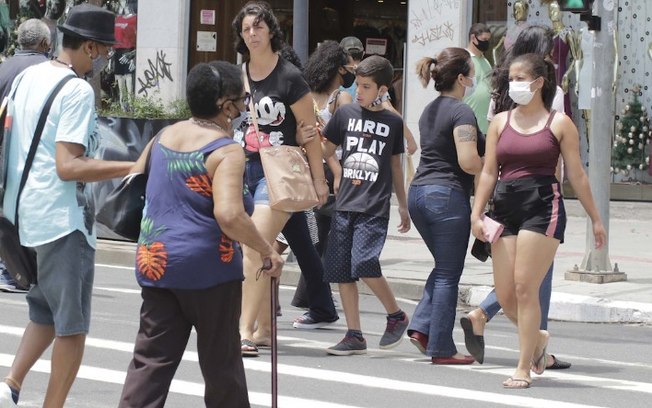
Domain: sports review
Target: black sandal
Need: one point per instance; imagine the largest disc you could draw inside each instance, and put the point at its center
(558, 364)
(474, 343)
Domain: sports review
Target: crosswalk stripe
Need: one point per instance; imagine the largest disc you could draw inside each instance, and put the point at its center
(348, 378)
(177, 386)
(257, 398)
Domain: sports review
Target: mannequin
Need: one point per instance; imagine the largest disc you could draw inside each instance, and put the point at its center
(565, 41)
(520, 11)
(53, 12)
(124, 61)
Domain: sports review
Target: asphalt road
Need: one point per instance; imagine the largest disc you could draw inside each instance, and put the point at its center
(612, 364)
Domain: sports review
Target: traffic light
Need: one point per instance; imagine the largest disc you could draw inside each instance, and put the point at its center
(576, 6)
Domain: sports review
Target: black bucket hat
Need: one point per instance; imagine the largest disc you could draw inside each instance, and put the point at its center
(90, 22)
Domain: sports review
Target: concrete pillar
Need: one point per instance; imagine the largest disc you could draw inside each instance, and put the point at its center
(162, 53)
(432, 26)
(596, 266)
(300, 18)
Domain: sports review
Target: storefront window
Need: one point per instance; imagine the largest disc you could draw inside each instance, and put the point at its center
(119, 77)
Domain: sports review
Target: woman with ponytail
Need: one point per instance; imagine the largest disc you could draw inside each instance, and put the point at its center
(523, 147)
(438, 198)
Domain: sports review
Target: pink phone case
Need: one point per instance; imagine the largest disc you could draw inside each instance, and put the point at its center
(492, 229)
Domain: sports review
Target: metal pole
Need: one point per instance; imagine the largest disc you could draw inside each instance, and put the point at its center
(596, 266)
(300, 29)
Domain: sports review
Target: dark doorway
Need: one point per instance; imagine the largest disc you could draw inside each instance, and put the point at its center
(210, 36)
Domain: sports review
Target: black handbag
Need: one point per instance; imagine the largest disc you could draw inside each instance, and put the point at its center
(20, 260)
(123, 208)
(481, 250)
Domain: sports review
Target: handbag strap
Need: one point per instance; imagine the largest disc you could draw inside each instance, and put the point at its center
(36, 139)
(252, 111)
(149, 154)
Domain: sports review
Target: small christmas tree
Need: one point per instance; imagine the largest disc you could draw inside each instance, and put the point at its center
(632, 138)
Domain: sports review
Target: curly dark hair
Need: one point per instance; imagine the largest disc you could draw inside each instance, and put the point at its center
(207, 82)
(288, 54)
(534, 39)
(263, 12)
(323, 65)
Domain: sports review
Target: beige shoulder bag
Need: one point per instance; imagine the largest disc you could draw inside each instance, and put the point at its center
(289, 181)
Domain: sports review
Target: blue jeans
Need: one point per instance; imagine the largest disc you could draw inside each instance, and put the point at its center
(491, 307)
(256, 182)
(442, 216)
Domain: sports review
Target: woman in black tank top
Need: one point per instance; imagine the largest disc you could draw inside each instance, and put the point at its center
(536, 227)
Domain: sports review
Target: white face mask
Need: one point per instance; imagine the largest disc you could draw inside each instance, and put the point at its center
(520, 92)
(468, 90)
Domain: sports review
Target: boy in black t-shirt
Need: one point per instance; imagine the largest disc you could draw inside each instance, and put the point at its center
(372, 143)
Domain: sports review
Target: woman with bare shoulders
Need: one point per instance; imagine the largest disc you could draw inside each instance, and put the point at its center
(523, 147)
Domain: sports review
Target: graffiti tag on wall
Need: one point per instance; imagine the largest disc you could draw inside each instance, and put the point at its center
(434, 34)
(156, 71)
(427, 23)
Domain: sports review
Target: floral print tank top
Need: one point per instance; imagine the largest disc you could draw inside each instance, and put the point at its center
(181, 245)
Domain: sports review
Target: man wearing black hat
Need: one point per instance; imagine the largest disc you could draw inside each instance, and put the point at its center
(56, 208)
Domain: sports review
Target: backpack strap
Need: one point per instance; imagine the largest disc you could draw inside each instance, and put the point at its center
(38, 132)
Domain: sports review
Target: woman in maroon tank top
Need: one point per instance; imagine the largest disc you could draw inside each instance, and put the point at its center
(527, 201)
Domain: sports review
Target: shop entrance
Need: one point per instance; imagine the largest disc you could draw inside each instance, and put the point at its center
(210, 35)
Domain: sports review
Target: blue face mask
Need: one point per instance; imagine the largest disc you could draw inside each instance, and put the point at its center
(237, 121)
(99, 63)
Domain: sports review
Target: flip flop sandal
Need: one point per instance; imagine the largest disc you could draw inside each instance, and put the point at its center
(539, 366)
(558, 364)
(517, 383)
(263, 343)
(248, 348)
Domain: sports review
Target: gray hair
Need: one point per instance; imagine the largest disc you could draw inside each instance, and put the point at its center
(31, 33)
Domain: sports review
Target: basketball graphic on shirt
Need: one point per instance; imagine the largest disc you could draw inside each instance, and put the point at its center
(361, 161)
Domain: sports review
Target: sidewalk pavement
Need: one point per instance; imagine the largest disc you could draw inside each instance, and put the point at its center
(407, 262)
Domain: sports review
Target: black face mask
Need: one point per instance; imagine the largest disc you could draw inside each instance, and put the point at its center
(482, 45)
(347, 79)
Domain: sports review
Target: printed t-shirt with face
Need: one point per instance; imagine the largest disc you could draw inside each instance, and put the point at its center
(273, 96)
(369, 139)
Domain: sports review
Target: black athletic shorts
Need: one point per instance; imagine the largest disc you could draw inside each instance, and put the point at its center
(532, 204)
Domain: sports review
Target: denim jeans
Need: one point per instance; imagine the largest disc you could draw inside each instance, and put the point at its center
(319, 295)
(491, 307)
(442, 216)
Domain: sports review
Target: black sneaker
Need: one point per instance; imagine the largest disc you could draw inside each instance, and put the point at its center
(349, 346)
(306, 321)
(394, 332)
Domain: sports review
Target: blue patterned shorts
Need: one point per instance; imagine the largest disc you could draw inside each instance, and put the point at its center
(354, 246)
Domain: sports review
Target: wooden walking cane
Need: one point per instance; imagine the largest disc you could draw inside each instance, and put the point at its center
(274, 345)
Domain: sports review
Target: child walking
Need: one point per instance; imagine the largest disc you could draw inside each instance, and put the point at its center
(372, 143)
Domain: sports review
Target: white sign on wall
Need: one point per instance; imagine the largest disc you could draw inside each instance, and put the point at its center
(207, 41)
(376, 46)
(432, 26)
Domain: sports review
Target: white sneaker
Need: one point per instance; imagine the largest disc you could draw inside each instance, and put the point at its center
(6, 400)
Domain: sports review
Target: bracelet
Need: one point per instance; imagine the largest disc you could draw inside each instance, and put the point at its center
(321, 179)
